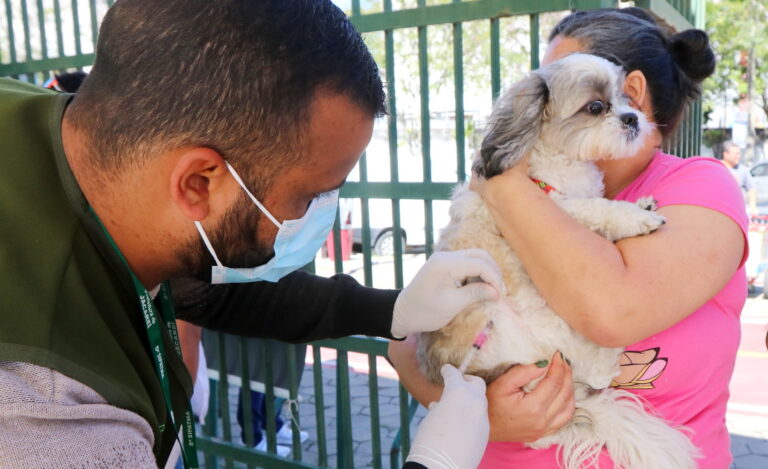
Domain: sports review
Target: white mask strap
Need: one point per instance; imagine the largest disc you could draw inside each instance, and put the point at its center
(208, 243)
(254, 199)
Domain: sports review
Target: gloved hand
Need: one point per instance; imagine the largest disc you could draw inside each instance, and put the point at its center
(455, 432)
(440, 291)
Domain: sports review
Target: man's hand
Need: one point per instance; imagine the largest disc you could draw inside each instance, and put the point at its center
(443, 288)
(519, 416)
(455, 432)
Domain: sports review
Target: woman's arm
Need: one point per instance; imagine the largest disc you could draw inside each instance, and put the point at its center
(514, 414)
(615, 294)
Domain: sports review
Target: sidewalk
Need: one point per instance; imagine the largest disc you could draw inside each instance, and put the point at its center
(747, 415)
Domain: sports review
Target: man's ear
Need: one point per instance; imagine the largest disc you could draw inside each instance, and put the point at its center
(196, 173)
(636, 87)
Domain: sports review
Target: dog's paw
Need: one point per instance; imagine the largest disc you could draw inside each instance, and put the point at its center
(647, 203)
(646, 222)
(652, 222)
(628, 220)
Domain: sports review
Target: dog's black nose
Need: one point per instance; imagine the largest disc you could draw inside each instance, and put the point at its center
(629, 119)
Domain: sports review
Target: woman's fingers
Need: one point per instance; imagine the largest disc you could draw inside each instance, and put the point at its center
(519, 416)
(558, 397)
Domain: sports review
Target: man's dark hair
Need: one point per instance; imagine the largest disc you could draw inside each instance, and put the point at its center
(237, 76)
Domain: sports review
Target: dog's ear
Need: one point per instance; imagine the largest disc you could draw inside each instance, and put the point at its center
(514, 126)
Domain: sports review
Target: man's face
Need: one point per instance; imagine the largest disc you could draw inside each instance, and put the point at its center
(732, 155)
(338, 132)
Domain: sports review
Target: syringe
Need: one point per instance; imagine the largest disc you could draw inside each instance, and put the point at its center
(477, 344)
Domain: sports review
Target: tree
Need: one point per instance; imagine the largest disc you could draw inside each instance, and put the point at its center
(738, 29)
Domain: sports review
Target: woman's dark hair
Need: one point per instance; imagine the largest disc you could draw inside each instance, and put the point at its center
(674, 64)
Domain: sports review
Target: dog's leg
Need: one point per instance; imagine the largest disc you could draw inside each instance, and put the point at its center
(612, 219)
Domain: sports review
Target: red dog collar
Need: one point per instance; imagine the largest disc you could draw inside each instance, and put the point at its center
(543, 185)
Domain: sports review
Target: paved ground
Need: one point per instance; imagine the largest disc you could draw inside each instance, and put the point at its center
(747, 415)
(748, 407)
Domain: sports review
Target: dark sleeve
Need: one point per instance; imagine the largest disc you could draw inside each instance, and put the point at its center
(301, 307)
(413, 465)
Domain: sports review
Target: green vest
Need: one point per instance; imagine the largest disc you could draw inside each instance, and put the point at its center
(66, 299)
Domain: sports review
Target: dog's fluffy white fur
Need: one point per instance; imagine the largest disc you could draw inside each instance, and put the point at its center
(566, 116)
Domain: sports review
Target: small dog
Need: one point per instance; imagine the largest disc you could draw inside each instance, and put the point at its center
(565, 116)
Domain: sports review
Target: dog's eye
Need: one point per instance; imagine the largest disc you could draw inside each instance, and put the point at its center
(596, 107)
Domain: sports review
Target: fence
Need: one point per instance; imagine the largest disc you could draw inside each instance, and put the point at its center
(463, 53)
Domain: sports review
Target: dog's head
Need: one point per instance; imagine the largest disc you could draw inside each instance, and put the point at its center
(575, 106)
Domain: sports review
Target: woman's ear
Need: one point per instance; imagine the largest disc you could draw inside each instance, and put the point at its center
(196, 174)
(636, 87)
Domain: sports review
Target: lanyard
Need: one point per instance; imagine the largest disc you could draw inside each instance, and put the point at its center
(150, 315)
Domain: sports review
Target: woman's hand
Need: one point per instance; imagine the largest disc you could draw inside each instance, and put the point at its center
(519, 416)
(483, 186)
(514, 414)
(402, 355)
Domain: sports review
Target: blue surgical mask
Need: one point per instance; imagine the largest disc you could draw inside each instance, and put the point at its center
(296, 243)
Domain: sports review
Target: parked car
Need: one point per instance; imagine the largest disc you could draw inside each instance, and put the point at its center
(412, 225)
(759, 174)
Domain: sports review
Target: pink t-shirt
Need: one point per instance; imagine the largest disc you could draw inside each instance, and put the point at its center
(682, 372)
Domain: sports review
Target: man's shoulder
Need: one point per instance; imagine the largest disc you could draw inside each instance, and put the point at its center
(10, 88)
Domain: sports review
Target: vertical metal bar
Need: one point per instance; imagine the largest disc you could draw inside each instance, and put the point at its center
(534, 31)
(405, 420)
(699, 126)
(293, 403)
(345, 458)
(336, 233)
(317, 377)
(269, 397)
(110, 3)
(246, 403)
(210, 429)
(226, 421)
(25, 24)
(426, 147)
(495, 58)
(76, 27)
(59, 31)
(41, 26)
(373, 393)
(355, 7)
(94, 23)
(458, 89)
(389, 46)
(366, 235)
(11, 33)
(690, 129)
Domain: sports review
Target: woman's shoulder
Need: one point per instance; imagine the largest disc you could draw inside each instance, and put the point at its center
(671, 163)
(698, 181)
(670, 171)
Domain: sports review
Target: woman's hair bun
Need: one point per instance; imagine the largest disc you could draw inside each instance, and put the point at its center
(692, 52)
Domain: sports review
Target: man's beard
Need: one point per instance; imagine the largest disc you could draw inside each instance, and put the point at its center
(234, 240)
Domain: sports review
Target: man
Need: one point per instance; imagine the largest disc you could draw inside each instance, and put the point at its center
(731, 158)
(207, 142)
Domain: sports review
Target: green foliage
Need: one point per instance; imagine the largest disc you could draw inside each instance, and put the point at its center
(737, 29)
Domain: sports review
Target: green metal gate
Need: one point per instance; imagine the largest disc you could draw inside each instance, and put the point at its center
(477, 47)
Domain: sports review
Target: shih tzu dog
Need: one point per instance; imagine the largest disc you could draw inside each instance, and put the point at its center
(565, 117)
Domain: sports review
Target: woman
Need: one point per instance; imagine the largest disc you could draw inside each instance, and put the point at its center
(671, 298)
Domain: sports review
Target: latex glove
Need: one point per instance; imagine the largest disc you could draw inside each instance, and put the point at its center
(440, 291)
(455, 432)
